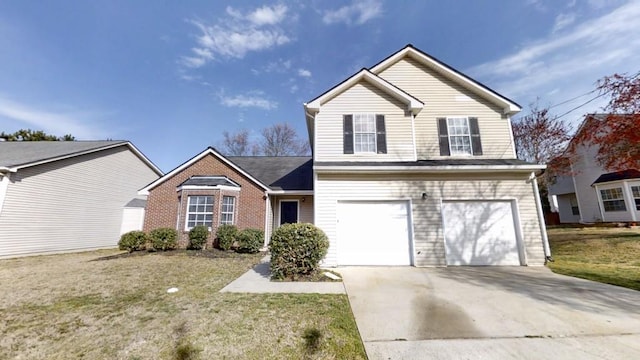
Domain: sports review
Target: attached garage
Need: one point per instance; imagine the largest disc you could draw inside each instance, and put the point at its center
(374, 233)
(481, 233)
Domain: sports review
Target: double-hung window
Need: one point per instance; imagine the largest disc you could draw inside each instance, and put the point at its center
(364, 133)
(612, 199)
(199, 211)
(228, 209)
(635, 190)
(459, 135)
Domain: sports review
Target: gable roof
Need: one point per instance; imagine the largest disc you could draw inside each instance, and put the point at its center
(15, 155)
(509, 106)
(413, 104)
(617, 176)
(208, 151)
(287, 173)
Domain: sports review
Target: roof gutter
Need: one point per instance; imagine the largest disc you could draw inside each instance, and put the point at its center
(429, 169)
(289, 192)
(4, 169)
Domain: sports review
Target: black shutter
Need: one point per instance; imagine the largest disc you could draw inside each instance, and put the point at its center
(381, 135)
(347, 131)
(443, 136)
(476, 145)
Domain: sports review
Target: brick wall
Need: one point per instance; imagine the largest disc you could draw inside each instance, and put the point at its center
(163, 202)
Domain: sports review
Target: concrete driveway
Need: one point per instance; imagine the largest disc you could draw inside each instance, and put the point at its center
(490, 313)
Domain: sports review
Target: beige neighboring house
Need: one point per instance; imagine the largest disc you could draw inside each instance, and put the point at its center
(58, 196)
(414, 164)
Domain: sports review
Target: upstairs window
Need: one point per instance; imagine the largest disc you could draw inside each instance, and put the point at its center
(612, 200)
(459, 136)
(364, 133)
(199, 211)
(228, 209)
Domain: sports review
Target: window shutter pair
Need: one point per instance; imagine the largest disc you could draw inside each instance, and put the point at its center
(443, 136)
(347, 131)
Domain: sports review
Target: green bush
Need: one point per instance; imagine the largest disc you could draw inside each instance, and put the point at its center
(250, 240)
(133, 241)
(226, 235)
(296, 249)
(164, 239)
(198, 237)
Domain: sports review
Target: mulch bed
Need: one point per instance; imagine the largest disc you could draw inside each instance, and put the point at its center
(208, 253)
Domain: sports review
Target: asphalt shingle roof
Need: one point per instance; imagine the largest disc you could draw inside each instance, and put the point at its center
(279, 172)
(618, 175)
(204, 180)
(16, 153)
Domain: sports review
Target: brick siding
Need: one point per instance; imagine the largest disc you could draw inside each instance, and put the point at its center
(163, 202)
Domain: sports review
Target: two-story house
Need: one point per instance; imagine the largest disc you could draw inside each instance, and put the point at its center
(588, 193)
(413, 164)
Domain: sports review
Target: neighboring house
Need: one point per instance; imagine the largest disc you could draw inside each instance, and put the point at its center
(58, 196)
(250, 192)
(413, 164)
(589, 193)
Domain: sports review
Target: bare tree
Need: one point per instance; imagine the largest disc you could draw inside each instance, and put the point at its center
(282, 140)
(539, 137)
(236, 144)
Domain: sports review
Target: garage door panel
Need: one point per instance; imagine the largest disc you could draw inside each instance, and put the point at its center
(373, 233)
(480, 233)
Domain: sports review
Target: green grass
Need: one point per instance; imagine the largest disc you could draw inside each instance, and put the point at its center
(70, 307)
(607, 255)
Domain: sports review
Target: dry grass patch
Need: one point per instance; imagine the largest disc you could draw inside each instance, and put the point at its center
(68, 306)
(608, 255)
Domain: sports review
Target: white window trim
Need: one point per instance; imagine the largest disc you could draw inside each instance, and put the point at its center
(187, 213)
(280, 210)
(233, 211)
(375, 133)
(621, 198)
(466, 118)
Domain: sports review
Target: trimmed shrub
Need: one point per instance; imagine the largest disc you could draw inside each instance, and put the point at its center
(226, 235)
(296, 249)
(250, 241)
(198, 237)
(133, 241)
(164, 239)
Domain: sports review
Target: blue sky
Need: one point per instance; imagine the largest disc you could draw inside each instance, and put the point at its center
(172, 76)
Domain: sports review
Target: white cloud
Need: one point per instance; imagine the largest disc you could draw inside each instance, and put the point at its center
(563, 20)
(359, 12)
(570, 61)
(238, 34)
(80, 124)
(251, 99)
(304, 73)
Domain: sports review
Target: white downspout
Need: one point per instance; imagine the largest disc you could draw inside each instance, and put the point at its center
(543, 227)
(266, 220)
(5, 178)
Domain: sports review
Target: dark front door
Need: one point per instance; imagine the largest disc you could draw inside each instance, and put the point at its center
(288, 212)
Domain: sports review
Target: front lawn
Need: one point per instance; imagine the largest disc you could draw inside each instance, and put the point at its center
(75, 306)
(608, 255)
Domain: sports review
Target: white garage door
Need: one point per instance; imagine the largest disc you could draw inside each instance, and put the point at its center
(480, 233)
(373, 233)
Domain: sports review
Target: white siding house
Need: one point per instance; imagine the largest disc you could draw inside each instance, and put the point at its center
(67, 196)
(414, 164)
(589, 193)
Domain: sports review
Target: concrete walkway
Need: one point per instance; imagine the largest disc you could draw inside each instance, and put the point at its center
(257, 280)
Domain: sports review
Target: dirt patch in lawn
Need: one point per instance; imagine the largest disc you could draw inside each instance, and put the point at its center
(69, 306)
(608, 255)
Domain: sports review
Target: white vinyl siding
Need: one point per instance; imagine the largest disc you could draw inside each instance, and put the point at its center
(71, 204)
(426, 214)
(363, 98)
(444, 97)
